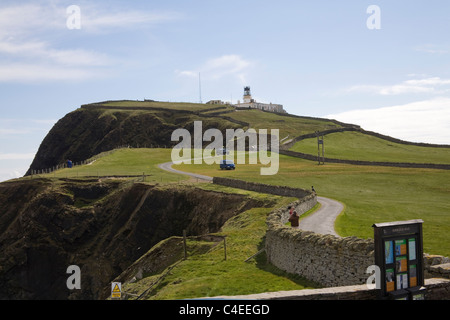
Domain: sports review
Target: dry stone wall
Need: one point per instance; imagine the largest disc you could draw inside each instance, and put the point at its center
(263, 188)
(325, 259)
(328, 260)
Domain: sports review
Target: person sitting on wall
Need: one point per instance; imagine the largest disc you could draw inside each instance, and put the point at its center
(291, 210)
(293, 219)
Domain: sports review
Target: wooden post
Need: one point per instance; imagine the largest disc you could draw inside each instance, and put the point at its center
(184, 244)
(225, 247)
(318, 147)
(320, 158)
(323, 149)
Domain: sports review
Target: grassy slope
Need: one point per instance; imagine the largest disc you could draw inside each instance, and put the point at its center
(158, 104)
(209, 274)
(123, 162)
(360, 146)
(288, 126)
(370, 194)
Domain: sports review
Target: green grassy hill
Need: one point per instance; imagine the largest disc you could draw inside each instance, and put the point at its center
(353, 145)
(371, 194)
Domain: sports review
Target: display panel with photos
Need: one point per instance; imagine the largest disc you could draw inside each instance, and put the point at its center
(401, 265)
(399, 254)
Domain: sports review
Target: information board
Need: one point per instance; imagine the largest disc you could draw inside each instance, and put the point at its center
(399, 255)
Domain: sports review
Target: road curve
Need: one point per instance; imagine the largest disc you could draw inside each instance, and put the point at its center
(167, 166)
(321, 221)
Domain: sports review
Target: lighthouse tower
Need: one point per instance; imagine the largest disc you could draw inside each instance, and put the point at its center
(247, 95)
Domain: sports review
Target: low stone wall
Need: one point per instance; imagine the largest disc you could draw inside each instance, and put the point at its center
(437, 289)
(366, 163)
(328, 260)
(263, 188)
(436, 266)
(338, 264)
(325, 259)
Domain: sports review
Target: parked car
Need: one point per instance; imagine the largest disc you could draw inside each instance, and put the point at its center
(227, 164)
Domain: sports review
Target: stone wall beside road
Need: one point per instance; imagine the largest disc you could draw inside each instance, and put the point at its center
(328, 260)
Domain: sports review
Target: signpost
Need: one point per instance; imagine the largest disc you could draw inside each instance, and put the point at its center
(320, 157)
(399, 254)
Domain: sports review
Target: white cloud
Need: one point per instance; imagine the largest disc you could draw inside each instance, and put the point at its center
(6, 131)
(435, 81)
(423, 121)
(16, 172)
(433, 49)
(43, 51)
(22, 127)
(43, 72)
(28, 57)
(433, 85)
(94, 20)
(17, 156)
(23, 19)
(217, 68)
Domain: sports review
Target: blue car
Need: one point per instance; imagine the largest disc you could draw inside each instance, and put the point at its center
(227, 164)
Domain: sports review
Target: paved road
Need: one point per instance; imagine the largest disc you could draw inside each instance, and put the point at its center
(321, 221)
(168, 167)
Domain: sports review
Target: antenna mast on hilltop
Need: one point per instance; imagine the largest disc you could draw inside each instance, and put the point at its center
(199, 87)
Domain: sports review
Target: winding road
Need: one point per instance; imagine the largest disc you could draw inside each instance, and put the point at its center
(167, 166)
(321, 221)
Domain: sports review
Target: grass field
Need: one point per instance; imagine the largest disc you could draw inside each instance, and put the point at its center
(209, 274)
(288, 126)
(125, 162)
(371, 194)
(126, 104)
(359, 146)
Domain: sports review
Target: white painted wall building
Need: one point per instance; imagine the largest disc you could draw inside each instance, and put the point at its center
(249, 102)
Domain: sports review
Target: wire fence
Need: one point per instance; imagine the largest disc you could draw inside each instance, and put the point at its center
(92, 159)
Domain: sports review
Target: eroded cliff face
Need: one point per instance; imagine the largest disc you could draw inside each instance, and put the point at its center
(100, 226)
(86, 132)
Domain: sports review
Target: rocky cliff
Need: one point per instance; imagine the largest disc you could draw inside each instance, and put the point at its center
(96, 128)
(102, 226)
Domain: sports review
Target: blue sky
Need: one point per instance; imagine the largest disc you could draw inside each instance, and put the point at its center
(317, 58)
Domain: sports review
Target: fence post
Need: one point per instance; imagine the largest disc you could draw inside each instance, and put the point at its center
(225, 247)
(184, 244)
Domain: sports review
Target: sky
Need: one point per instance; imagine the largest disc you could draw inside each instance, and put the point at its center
(384, 65)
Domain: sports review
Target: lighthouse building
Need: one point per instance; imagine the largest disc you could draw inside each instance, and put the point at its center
(249, 102)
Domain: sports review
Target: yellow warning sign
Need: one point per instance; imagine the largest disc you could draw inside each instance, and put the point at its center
(116, 290)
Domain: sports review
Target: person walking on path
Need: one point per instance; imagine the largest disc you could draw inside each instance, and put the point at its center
(293, 219)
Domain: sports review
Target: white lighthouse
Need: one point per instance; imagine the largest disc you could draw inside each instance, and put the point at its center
(249, 102)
